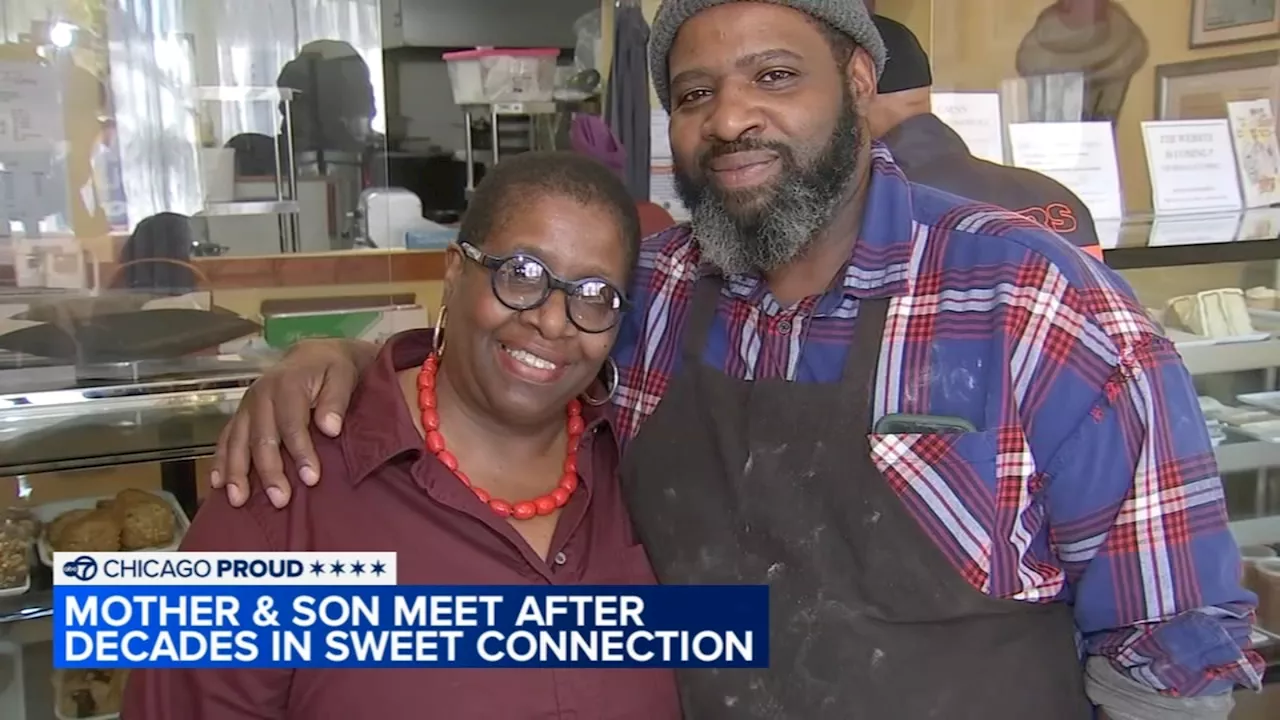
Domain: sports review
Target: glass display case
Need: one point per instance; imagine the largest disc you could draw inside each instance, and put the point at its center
(1161, 119)
(1216, 297)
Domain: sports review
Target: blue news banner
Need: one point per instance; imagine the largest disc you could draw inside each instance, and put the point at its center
(316, 610)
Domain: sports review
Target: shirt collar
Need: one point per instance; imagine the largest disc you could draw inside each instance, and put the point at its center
(378, 428)
(881, 257)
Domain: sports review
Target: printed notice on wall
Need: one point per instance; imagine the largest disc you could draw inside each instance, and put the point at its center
(30, 114)
(1081, 156)
(662, 185)
(976, 119)
(1192, 166)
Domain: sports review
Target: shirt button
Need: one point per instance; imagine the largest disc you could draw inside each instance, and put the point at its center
(784, 327)
(561, 559)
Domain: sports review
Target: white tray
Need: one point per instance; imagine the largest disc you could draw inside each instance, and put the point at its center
(11, 592)
(57, 707)
(1182, 339)
(1268, 430)
(1261, 638)
(1265, 400)
(48, 512)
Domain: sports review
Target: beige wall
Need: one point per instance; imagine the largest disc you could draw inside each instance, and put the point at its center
(973, 44)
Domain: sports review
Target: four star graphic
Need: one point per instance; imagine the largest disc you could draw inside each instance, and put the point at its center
(338, 568)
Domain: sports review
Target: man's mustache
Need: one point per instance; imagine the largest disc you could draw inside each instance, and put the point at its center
(720, 149)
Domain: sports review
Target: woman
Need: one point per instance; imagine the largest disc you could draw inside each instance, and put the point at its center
(485, 436)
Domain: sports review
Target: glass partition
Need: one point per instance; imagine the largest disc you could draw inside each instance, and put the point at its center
(186, 191)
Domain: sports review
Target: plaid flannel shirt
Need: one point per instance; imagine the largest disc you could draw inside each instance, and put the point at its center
(1091, 478)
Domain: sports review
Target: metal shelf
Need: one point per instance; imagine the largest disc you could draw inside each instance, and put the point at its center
(1246, 456)
(244, 93)
(1256, 531)
(27, 606)
(250, 207)
(516, 108)
(1238, 357)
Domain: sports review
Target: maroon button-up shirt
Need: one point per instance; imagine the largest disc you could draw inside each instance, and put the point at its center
(382, 492)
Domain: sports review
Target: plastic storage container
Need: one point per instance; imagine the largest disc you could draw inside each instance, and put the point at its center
(491, 75)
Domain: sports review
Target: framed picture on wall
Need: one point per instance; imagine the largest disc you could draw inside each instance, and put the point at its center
(1222, 22)
(1201, 89)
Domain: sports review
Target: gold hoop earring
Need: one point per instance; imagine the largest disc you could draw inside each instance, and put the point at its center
(437, 335)
(610, 384)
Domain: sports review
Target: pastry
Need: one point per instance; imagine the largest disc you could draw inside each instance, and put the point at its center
(61, 522)
(1219, 313)
(1180, 312)
(145, 520)
(87, 531)
(1262, 298)
(15, 557)
(1223, 313)
(91, 693)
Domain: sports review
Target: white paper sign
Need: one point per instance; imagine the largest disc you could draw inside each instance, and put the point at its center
(976, 119)
(1081, 156)
(662, 185)
(1192, 166)
(30, 113)
(1260, 224)
(1194, 230)
(1253, 125)
(55, 262)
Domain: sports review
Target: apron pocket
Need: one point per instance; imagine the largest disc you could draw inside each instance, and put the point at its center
(948, 485)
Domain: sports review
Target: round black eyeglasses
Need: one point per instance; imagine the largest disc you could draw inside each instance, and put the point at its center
(523, 282)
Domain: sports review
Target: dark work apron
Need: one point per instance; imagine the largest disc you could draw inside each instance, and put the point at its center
(772, 482)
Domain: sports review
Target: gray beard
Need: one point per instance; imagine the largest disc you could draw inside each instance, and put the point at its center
(768, 239)
(779, 227)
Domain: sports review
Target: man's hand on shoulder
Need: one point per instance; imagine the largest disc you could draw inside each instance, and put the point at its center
(314, 381)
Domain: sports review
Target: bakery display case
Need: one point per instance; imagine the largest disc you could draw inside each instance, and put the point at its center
(95, 458)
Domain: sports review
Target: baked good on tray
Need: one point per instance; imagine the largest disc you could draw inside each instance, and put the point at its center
(1262, 298)
(145, 520)
(1221, 313)
(15, 558)
(85, 531)
(132, 520)
(90, 693)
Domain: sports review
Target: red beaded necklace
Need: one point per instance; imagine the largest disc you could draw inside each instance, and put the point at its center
(525, 509)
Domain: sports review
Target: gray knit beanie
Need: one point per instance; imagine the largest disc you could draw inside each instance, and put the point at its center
(847, 16)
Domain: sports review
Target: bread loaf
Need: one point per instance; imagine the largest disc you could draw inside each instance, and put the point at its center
(1262, 298)
(1223, 313)
(145, 520)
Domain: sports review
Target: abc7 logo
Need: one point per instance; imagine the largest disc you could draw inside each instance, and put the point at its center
(83, 568)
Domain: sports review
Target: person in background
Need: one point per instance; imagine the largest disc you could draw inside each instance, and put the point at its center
(931, 153)
(481, 453)
(973, 472)
(157, 256)
(591, 136)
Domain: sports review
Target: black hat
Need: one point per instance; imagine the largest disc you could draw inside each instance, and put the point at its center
(907, 65)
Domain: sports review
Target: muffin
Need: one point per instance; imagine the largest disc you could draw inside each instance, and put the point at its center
(145, 520)
(90, 693)
(85, 531)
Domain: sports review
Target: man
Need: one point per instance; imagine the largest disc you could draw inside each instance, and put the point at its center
(931, 153)
(950, 443)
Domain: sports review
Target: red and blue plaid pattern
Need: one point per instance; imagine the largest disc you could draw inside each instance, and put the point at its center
(1091, 479)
